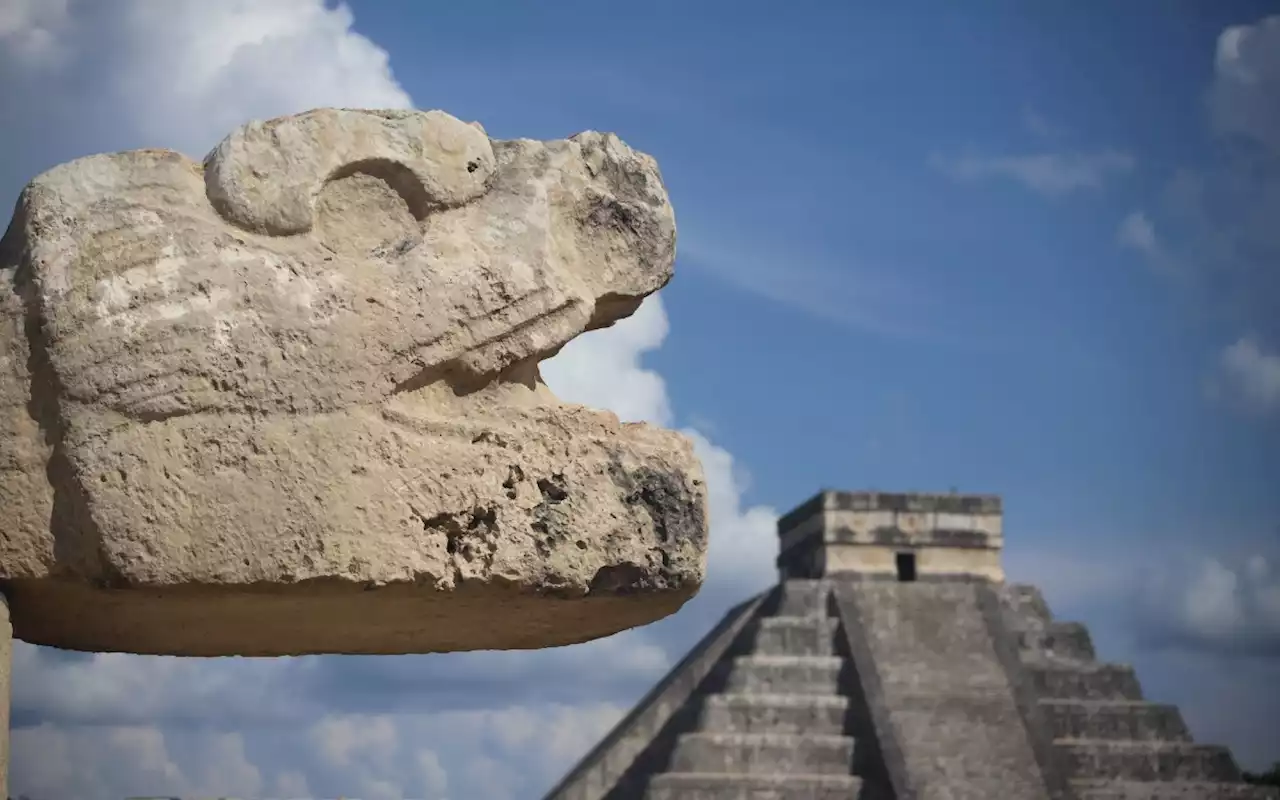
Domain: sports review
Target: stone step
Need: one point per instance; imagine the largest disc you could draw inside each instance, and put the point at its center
(1061, 640)
(768, 753)
(1024, 606)
(785, 675)
(723, 786)
(1114, 720)
(1171, 790)
(801, 598)
(795, 636)
(1146, 761)
(775, 713)
(1062, 681)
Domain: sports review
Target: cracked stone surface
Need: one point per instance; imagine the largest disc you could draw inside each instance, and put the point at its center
(287, 401)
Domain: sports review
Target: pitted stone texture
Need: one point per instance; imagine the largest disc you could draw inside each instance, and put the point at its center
(760, 786)
(288, 401)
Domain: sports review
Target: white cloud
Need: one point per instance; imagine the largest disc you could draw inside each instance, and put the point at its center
(341, 739)
(1136, 231)
(1217, 606)
(603, 370)
(433, 775)
(745, 543)
(121, 761)
(1068, 579)
(1050, 174)
(181, 74)
(1249, 376)
(28, 30)
(492, 753)
(1213, 233)
(1242, 100)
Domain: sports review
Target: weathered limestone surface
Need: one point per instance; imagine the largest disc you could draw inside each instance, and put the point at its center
(288, 401)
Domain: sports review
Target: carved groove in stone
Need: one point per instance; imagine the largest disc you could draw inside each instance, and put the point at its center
(265, 176)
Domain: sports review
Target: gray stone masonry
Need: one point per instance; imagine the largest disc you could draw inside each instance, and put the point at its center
(779, 729)
(620, 767)
(768, 720)
(837, 533)
(858, 685)
(1112, 743)
(942, 691)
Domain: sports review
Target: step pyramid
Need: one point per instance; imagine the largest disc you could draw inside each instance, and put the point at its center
(892, 662)
(1110, 741)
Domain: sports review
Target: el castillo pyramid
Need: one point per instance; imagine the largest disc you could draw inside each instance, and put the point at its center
(892, 662)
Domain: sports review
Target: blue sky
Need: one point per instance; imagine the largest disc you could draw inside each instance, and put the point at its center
(843, 288)
(1025, 249)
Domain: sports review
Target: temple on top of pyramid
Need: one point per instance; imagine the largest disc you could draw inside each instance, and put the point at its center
(903, 536)
(893, 662)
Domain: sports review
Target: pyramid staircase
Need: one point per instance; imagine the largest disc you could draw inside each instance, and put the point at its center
(1111, 743)
(892, 662)
(823, 690)
(776, 724)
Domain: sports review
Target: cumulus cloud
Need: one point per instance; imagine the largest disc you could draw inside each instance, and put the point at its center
(1242, 100)
(1069, 580)
(745, 543)
(95, 77)
(1212, 605)
(181, 74)
(1049, 174)
(1136, 231)
(1216, 218)
(28, 31)
(587, 370)
(1249, 377)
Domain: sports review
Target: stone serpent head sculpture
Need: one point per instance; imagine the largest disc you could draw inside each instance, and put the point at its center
(287, 401)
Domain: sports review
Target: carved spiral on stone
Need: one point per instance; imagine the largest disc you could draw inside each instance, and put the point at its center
(266, 177)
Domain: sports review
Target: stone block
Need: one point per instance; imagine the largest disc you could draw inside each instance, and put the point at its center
(1114, 720)
(287, 400)
(802, 598)
(1059, 640)
(785, 674)
(1148, 761)
(775, 713)
(797, 636)
(768, 753)
(1054, 681)
(1024, 606)
(694, 786)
